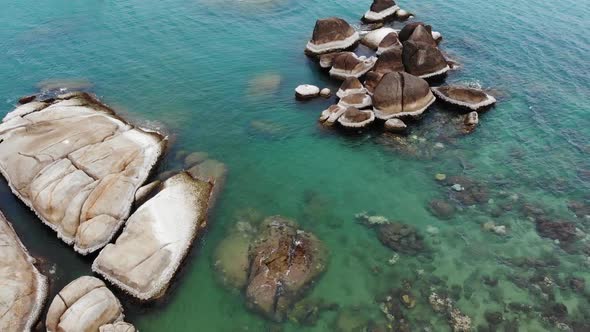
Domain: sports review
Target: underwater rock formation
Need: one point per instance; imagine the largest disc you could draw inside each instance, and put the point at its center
(441, 209)
(347, 65)
(156, 238)
(381, 10)
(284, 262)
(354, 118)
(401, 238)
(401, 94)
(84, 305)
(473, 99)
(76, 165)
(23, 287)
(564, 231)
(330, 35)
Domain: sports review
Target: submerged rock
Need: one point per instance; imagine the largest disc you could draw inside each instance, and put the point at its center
(77, 165)
(441, 209)
(401, 94)
(307, 312)
(84, 305)
(401, 238)
(284, 263)
(471, 121)
(381, 10)
(353, 118)
(24, 289)
(331, 34)
(564, 231)
(231, 257)
(473, 99)
(348, 65)
(156, 238)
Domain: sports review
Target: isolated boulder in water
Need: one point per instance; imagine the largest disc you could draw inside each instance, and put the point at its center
(354, 118)
(331, 34)
(390, 41)
(401, 238)
(350, 86)
(389, 61)
(423, 60)
(84, 305)
(381, 10)
(156, 238)
(409, 28)
(401, 94)
(23, 289)
(473, 99)
(306, 91)
(350, 65)
(284, 262)
(395, 126)
(77, 165)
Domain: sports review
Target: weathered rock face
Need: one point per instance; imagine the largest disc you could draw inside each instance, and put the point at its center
(381, 10)
(390, 41)
(23, 289)
(423, 35)
(84, 305)
(348, 65)
(395, 126)
(409, 28)
(473, 99)
(156, 238)
(77, 165)
(423, 60)
(373, 38)
(353, 118)
(389, 61)
(350, 86)
(358, 100)
(284, 262)
(331, 34)
(117, 327)
(330, 115)
(372, 79)
(401, 94)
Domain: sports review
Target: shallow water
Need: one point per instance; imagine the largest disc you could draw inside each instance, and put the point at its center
(219, 76)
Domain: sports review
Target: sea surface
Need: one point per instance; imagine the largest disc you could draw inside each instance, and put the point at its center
(218, 76)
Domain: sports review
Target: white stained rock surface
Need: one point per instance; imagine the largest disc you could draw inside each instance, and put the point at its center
(117, 327)
(156, 238)
(307, 91)
(22, 288)
(84, 305)
(77, 166)
(373, 38)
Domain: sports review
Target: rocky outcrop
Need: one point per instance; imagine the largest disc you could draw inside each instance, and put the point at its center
(395, 125)
(284, 263)
(409, 28)
(381, 10)
(331, 34)
(76, 165)
(423, 59)
(372, 79)
(401, 238)
(22, 288)
(423, 35)
(389, 61)
(156, 238)
(84, 305)
(348, 65)
(350, 86)
(306, 91)
(388, 42)
(357, 100)
(354, 119)
(373, 38)
(470, 98)
(330, 115)
(401, 94)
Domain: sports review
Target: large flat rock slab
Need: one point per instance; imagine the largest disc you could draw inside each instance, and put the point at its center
(22, 288)
(86, 305)
(156, 238)
(76, 165)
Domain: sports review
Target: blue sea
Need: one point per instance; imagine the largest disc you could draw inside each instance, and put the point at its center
(219, 77)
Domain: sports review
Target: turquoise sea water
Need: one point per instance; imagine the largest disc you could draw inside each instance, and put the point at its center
(194, 69)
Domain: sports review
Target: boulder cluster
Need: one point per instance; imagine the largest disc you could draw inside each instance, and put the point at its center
(81, 168)
(392, 82)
